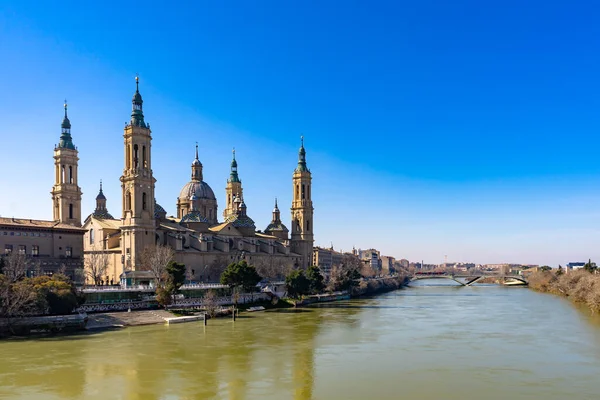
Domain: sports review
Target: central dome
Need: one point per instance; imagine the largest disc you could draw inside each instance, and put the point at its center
(200, 189)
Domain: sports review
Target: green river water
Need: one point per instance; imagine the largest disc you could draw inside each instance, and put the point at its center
(425, 342)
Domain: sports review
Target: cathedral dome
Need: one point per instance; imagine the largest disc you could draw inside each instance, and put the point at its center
(276, 227)
(200, 189)
(193, 216)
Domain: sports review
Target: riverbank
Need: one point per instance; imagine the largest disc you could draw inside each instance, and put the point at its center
(379, 285)
(579, 286)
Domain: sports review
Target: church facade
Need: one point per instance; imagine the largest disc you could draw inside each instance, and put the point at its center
(205, 244)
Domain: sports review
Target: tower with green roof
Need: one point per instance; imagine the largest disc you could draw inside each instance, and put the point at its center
(302, 238)
(138, 230)
(66, 194)
(233, 189)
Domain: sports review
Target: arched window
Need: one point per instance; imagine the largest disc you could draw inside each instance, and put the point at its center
(303, 189)
(57, 174)
(144, 162)
(307, 226)
(70, 211)
(63, 177)
(135, 156)
(308, 192)
(144, 201)
(128, 155)
(91, 236)
(297, 191)
(128, 201)
(70, 174)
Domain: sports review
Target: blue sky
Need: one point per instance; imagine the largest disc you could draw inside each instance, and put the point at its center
(433, 128)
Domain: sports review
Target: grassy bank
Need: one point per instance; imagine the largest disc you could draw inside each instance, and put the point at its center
(579, 286)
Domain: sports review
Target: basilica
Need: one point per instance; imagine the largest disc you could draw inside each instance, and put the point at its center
(201, 240)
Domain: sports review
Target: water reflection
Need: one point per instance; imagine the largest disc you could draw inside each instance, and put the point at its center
(425, 343)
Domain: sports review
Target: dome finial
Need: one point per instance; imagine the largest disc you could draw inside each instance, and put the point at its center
(302, 141)
(276, 202)
(65, 108)
(100, 185)
(137, 82)
(233, 151)
(196, 150)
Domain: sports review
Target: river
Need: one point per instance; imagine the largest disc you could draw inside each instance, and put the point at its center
(432, 341)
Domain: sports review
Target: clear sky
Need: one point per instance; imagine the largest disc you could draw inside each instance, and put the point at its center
(466, 129)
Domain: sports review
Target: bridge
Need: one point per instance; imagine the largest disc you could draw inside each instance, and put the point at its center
(470, 279)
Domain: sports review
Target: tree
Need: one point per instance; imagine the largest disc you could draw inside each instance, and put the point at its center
(155, 259)
(15, 266)
(313, 274)
(59, 293)
(559, 271)
(297, 284)
(346, 275)
(17, 299)
(210, 303)
(545, 268)
(163, 296)
(241, 275)
(96, 265)
(175, 277)
(590, 266)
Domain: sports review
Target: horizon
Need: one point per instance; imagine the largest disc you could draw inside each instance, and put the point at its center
(431, 130)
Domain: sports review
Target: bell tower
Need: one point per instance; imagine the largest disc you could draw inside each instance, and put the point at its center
(66, 194)
(137, 185)
(302, 239)
(233, 189)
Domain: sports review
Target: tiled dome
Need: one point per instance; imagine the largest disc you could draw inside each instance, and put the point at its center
(200, 189)
(193, 216)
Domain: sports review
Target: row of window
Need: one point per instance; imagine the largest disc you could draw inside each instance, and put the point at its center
(32, 234)
(35, 250)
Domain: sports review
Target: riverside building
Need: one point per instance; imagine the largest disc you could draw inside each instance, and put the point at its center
(201, 241)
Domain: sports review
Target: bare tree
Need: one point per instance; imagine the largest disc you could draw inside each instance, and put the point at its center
(210, 303)
(18, 299)
(15, 266)
(96, 265)
(155, 259)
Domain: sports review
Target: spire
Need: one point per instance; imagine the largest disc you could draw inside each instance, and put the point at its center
(101, 211)
(302, 158)
(66, 141)
(276, 214)
(233, 176)
(196, 168)
(137, 116)
(100, 194)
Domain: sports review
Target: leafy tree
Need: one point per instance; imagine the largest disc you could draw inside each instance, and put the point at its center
(176, 272)
(545, 268)
(54, 295)
(297, 284)
(59, 293)
(175, 277)
(163, 296)
(590, 266)
(240, 275)
(313, 274)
